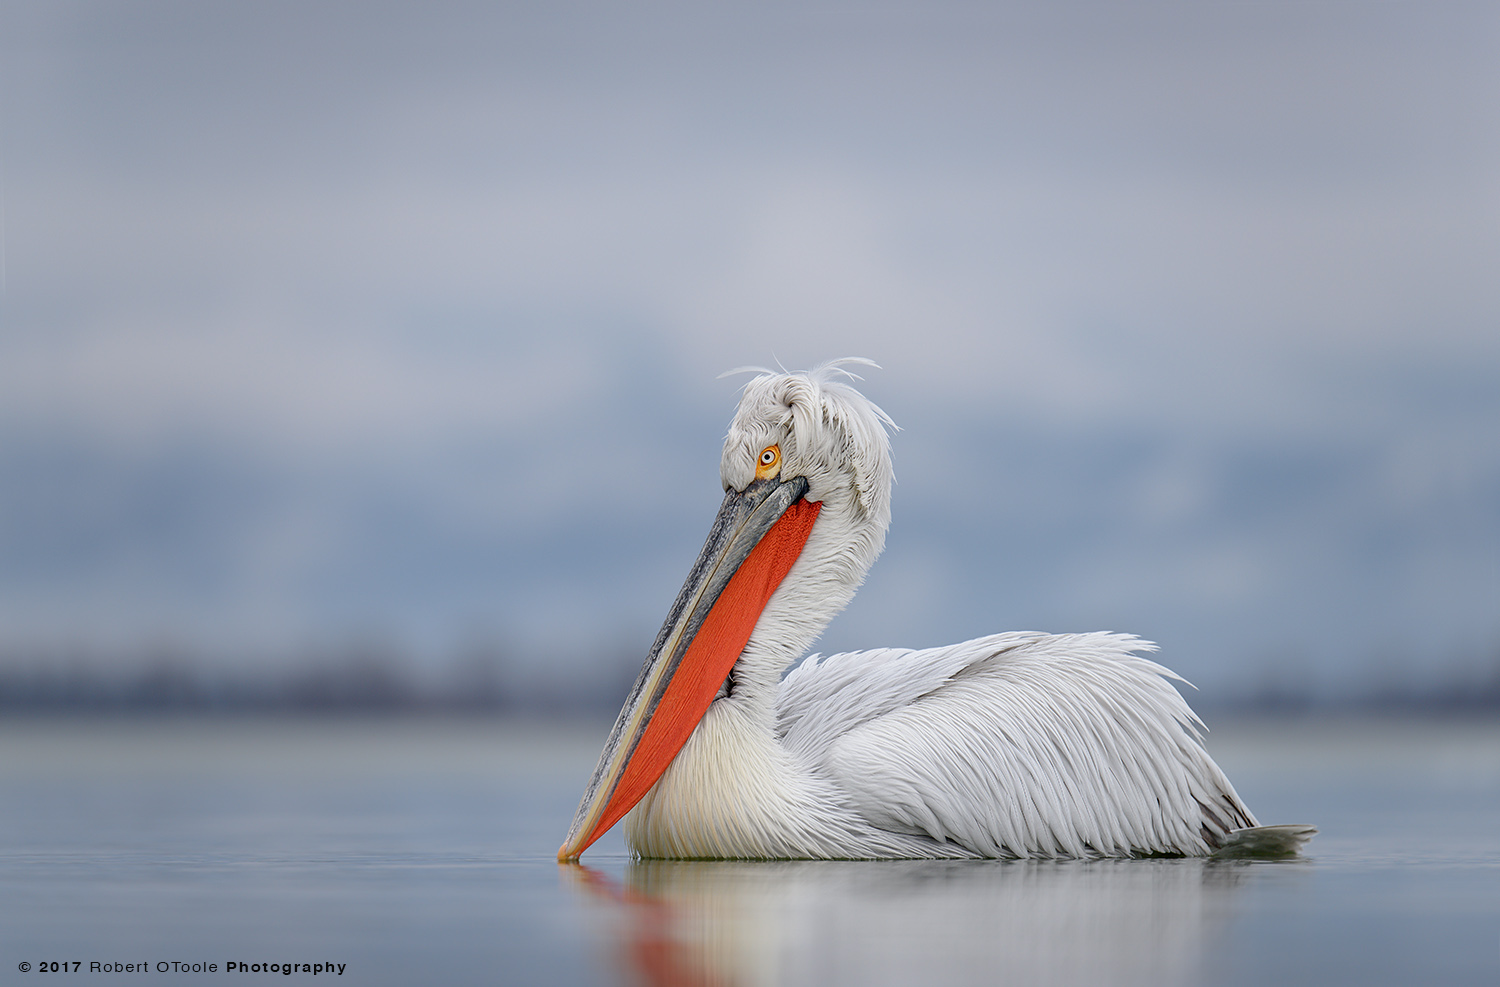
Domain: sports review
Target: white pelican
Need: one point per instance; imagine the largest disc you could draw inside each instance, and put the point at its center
(1014, 745)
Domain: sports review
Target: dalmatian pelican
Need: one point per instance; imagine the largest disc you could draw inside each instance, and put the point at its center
(1014, 745)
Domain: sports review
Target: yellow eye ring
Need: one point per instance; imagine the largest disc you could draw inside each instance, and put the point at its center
(769, 463)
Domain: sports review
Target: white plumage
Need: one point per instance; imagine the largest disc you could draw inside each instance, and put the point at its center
(1013, 745)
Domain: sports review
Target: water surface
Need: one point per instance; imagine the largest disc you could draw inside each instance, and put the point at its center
(422, 851)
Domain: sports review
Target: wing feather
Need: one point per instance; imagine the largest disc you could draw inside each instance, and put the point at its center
(1020, 744)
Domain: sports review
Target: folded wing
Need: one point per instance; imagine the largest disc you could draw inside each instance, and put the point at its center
(1019, 744)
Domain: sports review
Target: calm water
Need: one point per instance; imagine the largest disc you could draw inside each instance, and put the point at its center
(421, 851)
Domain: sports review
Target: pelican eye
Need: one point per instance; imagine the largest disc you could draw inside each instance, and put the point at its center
(769, 463)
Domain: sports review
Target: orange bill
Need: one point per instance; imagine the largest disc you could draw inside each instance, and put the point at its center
(755, 540)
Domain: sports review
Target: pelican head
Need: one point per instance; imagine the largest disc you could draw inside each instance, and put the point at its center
(806, 471)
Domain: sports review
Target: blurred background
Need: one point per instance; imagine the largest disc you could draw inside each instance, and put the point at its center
(367, 355)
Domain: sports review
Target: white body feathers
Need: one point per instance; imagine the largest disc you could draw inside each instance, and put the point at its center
(1016, 745)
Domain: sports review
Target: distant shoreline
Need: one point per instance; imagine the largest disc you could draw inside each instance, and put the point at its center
(379, 686)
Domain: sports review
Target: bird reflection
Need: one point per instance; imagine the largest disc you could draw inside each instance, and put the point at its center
(733, 923)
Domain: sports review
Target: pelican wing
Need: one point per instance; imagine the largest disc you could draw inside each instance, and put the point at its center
(1018, 744)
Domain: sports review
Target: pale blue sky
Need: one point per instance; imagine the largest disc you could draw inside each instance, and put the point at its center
(325, 321)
